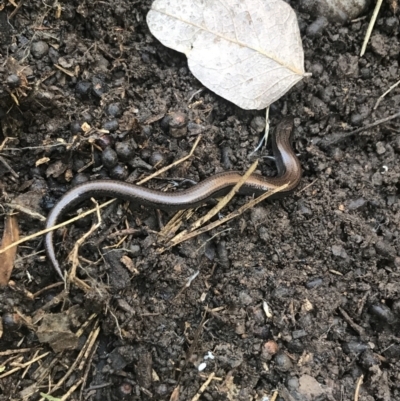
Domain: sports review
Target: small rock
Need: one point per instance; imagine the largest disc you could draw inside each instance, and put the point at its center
(177, 123)
(316, 28)
(314, 283)
(384, 249)
(378, 45)
(368, 359)
(111, 125)
(157, 159)
(245, 298)
(296, 334)
(338, 250)
(119, 172)
(283, 362)
(377, 179)
(13, 81)
(356, 204)
(354, 347)
(309, 387)
(258, 124)
(380, 148)
(109, 158)
(39, 49)
(383, 313)
(83, 88)
(114, 109)
(125, 150)
(335, 10)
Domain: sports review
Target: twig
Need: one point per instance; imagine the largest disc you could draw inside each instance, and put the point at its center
(73, 256)
(352, 324)
(371, 26)
(222, 203)
(330, 140)
(388, 91)
(357, 391)
(203, 387)
(65, 223)
(230, 216)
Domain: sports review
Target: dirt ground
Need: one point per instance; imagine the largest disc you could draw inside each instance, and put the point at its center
(296, 298)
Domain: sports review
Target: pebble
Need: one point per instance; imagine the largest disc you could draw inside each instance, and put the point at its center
(177, 124)
(309, 387)
(378, 45)
(354, 347)
(13, 81)
(245, 298)
(293, 383)
(75, 127)
(156, 159)
(125, 150)
(368, 359)
(296, 346)
(316, 28)
(80, 178)
(335, 10)
(314, 283)
(380, 148)
(114, 110)
(111, 125)
(391, 25)
(109, 158)
(377, 179)
(338, 250)
(296, 334)
(137, 162)
(383, 313)
(134, 250)
(316, 70)
(119, 172)
(357, 204)
(39, 49)
(258, 124)
(83, 88)
(384, 249)
(283, 362)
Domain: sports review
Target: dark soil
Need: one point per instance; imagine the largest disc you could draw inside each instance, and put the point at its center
(325, 260)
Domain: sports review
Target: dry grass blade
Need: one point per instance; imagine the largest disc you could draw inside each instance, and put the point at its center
(7, 257)
(222, 203)
(230, 216)
(203, 387)
(371, 26)
(65, 223)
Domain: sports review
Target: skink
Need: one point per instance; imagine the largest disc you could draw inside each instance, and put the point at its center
(289, 172)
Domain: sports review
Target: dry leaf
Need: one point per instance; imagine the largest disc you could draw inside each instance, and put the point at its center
(247, 51)
(7, 258)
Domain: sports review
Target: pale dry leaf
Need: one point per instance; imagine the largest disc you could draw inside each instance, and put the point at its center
(7, 258)
(247, 51)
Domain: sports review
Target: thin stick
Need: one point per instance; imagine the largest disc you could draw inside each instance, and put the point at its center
(230, 216)
(357, 392)
(222, 203)
(203, 387)
(65, 223)
(371, 26)
(388, 91)
(330, 140)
